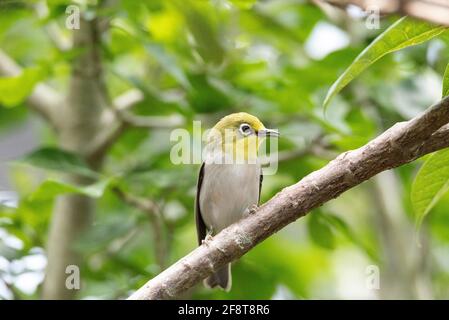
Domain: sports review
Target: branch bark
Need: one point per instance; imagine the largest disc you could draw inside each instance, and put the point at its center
(402, 143)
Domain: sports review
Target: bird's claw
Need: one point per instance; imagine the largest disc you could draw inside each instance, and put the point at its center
(252, 210)
(207, 239)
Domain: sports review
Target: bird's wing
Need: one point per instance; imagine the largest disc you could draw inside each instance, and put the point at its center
(260, 185)
(200, 225)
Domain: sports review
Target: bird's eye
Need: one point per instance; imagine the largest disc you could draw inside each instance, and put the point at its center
(245, 129)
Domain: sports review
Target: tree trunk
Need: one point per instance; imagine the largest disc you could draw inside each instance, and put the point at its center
(78, 123)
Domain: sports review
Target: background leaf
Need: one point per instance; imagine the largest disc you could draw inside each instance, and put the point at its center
(168, 63)
(320, 231)
(14, 90)
(404, 33)
(58, 160)
(340, 225)
(50, 188)
(431, 183)
(207, 41)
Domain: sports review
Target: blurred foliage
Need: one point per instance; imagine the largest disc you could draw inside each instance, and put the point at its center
(404, 33)
(16, 89)
(202, 60)
(431, 183)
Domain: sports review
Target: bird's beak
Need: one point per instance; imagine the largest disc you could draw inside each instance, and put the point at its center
(268, 133)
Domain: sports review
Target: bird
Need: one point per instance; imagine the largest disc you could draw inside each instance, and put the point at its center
(229, 181)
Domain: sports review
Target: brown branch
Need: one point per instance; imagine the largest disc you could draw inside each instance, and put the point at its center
(402, 143)
(435, 11)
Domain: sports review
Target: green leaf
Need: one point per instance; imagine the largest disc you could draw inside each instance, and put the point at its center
(431, 183)
(340, 225)
(446, 82)
(207, 39)
(320, 231)
(14, 90)
(403, 33)
(168, 63)
(103, 235)
(50, 188)
(58, 160)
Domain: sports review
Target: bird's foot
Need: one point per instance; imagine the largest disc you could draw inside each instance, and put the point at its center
(207, 240)
(251, 210)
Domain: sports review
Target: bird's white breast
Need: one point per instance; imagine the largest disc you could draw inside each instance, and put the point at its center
(226, 192)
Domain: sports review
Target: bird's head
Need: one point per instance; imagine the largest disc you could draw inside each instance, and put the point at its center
(240, 132)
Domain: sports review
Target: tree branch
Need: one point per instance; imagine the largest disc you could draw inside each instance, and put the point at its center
(146, 205)
(154, 214)
(118, 121)
(402, 143)
(124, 102)
(435, 11)
(105, 139)
(52, 29)
(147, 122)
(317, 147)
(43, 99)
(128, 99)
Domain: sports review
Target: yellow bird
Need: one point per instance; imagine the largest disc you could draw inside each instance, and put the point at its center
(229, 181)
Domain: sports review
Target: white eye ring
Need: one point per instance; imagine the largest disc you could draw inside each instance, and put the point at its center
(245, 129)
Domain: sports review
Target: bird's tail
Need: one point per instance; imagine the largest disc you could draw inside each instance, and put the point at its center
(222, 278)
